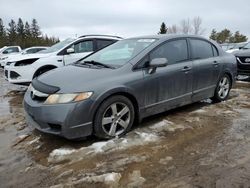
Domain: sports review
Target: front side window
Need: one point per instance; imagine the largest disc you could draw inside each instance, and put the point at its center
(120, 52)
(174, 51)
(83, 46)
(201, 49)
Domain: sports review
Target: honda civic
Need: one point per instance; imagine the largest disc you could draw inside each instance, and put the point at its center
(107, 92)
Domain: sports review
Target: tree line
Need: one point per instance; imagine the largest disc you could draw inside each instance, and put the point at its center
(24, 34)
(194, 26)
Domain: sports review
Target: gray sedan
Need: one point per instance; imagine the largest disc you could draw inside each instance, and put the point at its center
(107, 92)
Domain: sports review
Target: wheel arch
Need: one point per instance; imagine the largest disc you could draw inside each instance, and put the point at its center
(44, 67)
(118, 91)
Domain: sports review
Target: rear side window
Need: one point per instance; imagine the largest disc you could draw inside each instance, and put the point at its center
(201, 49)
(103, 43)
(175, 51)
(215, 51)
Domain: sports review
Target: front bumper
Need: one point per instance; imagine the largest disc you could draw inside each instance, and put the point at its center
(19, 75)
(71, 120)
(243, 67)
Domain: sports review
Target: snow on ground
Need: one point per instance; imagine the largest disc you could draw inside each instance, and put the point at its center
(132, 139)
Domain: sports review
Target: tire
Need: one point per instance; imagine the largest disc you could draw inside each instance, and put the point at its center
(222, 89)
(114, 117)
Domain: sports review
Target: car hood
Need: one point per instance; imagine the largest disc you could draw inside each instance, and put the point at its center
(21, 57)
(77, 79)
(242, 53)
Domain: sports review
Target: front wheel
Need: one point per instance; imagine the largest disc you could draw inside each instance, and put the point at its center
(222, 89)
(114, 117)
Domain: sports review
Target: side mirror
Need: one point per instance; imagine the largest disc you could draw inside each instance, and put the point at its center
(70, 50)
(157, 62)
(5, 52)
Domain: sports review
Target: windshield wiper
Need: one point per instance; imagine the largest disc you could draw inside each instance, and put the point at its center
(98, 64)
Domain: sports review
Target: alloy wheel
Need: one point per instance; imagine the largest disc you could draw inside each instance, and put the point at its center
(116, 119)
(224, 87)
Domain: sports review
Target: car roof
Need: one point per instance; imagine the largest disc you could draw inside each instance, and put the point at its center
(101, 36)
(168, 36)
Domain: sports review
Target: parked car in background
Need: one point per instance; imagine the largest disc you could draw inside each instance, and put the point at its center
(23, 69)
(237, 47)
(105, 93)
(31, 50)
(227, 46)
(9, 50)
(6, 50)
(243, 61)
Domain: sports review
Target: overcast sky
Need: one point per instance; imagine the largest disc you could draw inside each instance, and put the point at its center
(66, 18)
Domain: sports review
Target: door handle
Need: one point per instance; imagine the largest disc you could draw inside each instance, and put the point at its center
(186, 69)
(215, 63)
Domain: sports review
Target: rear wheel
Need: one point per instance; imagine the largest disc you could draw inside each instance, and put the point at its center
(114, 117)
(223, 88)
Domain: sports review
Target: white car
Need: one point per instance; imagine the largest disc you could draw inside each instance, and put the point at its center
(7, 50)
(31, 50)
(22, 70)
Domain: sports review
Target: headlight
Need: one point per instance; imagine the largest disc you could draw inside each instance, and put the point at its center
(66, 98)
(25, 62)
(9, 63)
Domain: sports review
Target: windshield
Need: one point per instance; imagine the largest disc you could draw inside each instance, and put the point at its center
(120, 53)
(3, 48)
(247, 46)
(57, 46)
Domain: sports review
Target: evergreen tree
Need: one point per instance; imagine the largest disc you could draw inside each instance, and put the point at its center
(237, 37)
(27, 35)
(20, 32)
(226, 36)
(213, 35)
(35, 29)
(11, 32)
(163, 29)
(2, 34)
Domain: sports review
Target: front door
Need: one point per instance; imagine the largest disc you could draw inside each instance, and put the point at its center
(81, 49)
(169, 86)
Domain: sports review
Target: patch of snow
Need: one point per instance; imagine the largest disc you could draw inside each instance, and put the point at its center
(133, 139)
(199, 111)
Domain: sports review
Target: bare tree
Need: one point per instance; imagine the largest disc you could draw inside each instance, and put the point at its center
(197, 21)
(173, 29)
(185, 26)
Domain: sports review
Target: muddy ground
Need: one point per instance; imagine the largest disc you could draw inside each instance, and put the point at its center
(199, 145)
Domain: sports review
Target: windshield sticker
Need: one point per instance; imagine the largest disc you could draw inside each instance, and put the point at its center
(146, 40)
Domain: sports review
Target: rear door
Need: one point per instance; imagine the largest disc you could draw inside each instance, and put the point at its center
(169, 86)
(81, 49)
(205, 68)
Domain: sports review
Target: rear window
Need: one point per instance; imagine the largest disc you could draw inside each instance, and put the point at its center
(201, 49)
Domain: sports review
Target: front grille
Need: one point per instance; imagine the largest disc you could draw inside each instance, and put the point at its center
(14, 75)
(244, 60)
(6, 73)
